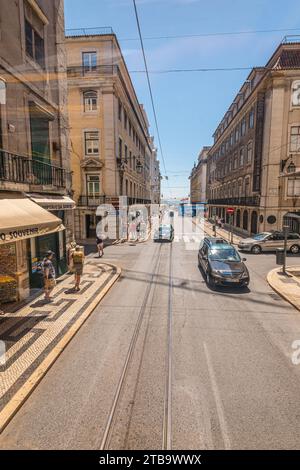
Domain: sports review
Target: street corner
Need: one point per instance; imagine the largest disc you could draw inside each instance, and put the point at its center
(33, 338)
(286, 285)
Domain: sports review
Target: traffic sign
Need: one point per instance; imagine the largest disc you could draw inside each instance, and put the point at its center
(230, 210)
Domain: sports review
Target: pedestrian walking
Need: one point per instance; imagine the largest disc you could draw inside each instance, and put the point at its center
(100, 246)
(49, 275)
(132, 230)
(78, 262)
(138, 230)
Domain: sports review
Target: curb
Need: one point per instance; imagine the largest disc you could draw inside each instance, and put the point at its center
(279, 292)
(10, 410)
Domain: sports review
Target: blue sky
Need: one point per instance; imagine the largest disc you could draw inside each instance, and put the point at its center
(189, 105)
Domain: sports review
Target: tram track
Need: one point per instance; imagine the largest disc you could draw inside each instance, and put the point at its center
(136, 336)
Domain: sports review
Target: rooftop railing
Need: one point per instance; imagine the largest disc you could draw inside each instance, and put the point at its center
(100, 31)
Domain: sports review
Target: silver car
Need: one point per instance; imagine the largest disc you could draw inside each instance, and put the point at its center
(270, 241)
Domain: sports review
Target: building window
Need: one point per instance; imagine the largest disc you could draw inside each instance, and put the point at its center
(251, 119)
(241, 159)
(93, 185)
(243, 127)
(126, 152)
(293, 188)
(237, 134)
(89, 61)
(125, 120)
(249, 152)
(235, 161)
(120, 148)
(91, 143)
(90, 99)
(120, 110)
(247, 187)
(2, 91)
(295, 139)
(34, 43)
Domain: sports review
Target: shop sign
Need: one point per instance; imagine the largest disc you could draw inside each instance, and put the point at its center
(16, 235)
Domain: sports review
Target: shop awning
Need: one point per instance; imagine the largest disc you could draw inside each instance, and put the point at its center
(53, 203)
(21, 219)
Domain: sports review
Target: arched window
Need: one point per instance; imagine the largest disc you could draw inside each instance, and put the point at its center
(245, 220)
(2, 92)
(238, 218)
(90, 101)
(249, 152)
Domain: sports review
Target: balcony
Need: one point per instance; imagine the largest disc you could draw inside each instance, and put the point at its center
(95, 201)
(23, 170)
(91, 201)
(236, 201)
(90, 72)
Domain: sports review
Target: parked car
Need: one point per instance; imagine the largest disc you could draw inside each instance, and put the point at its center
(164, 233)
(270, 241)
(222, 264)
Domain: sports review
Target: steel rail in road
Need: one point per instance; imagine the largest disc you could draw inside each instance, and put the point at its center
(167, 425)
(122, 380)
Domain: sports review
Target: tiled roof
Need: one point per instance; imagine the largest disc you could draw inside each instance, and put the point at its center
(288, 59)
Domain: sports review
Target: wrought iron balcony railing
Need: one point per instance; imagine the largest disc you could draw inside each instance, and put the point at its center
(19, 169)
(91, 201)
(237, 201)
(95, 201)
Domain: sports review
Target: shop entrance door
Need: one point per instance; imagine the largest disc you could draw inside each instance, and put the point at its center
(91, 222)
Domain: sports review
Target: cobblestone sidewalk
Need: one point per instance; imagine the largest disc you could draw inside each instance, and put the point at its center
(35, 335)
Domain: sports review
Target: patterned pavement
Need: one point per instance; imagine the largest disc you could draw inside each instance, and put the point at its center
(31, 334)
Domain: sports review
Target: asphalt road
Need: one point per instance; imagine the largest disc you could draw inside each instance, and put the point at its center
(164, 361)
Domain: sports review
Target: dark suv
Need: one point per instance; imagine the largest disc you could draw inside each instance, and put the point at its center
(222, 264)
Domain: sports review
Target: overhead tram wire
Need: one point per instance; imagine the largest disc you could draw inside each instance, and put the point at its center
(150, 88)
(218, 33)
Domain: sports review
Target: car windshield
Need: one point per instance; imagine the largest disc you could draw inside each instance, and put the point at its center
(260, 236)
(229, 254)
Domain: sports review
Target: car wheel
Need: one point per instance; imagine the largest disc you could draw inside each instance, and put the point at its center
(256, 249)
(294, 249)
(210, 281)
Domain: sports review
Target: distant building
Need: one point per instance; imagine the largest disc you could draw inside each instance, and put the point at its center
(254, 163)
(36, 212)
(155, 176)
(111, 147)
(198, 179)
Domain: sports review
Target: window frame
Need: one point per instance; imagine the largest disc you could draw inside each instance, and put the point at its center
(94, 194)
(37, 53)
(86, 140)
(298, 138)
(90, 99)
(90, 67)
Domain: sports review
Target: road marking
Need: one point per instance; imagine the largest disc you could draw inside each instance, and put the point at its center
(220, 409)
